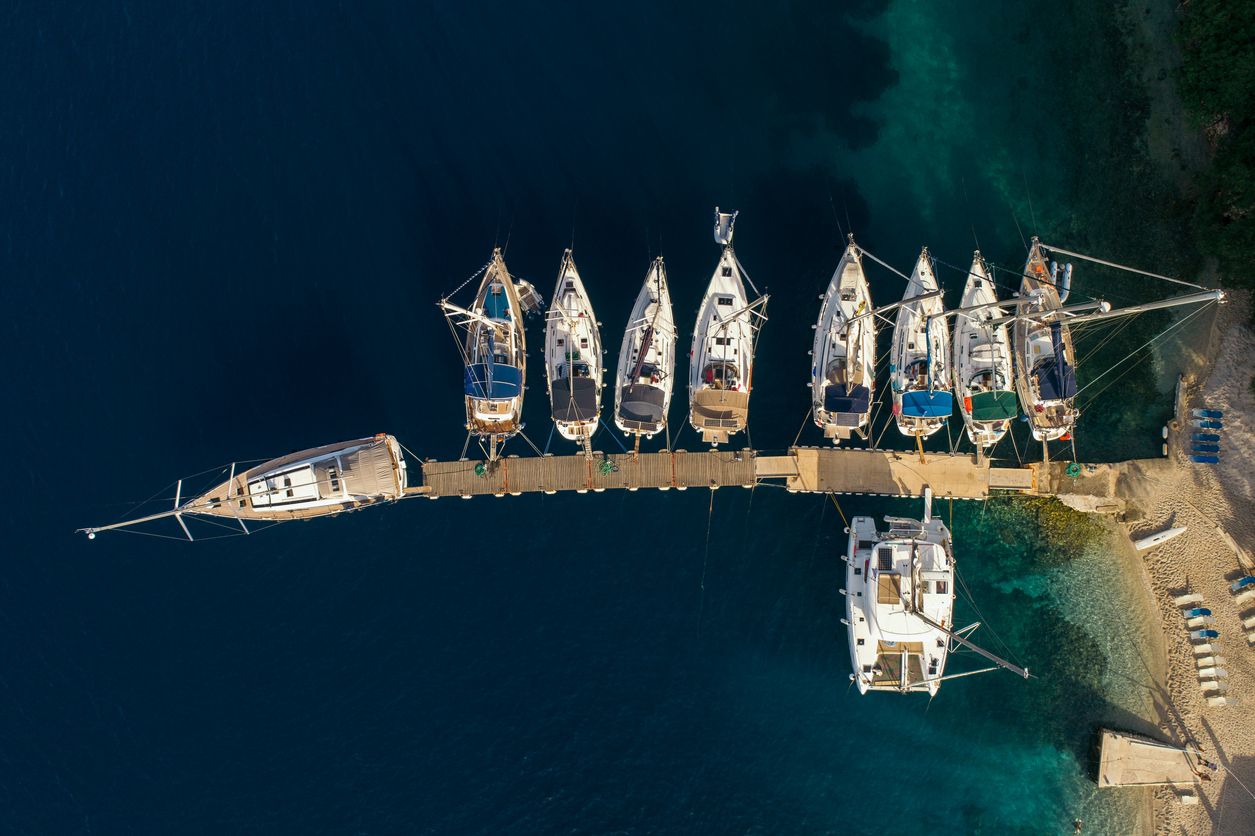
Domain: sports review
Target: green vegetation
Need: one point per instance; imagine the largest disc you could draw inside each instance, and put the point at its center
(1217, 86)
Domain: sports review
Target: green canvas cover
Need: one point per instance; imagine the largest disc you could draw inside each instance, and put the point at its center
(994, 406)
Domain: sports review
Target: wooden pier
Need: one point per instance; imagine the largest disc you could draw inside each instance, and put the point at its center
(1129, 760)
(800, 469)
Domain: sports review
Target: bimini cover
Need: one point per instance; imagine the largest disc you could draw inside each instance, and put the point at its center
(994, 406)
(498, 382)
(923, 404)
(640, 405)
(574, 404)
(846, 401)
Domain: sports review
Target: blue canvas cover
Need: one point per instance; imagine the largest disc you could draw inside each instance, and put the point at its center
(496, 383)
(922, 404)
(1056, 380)
(849, 399)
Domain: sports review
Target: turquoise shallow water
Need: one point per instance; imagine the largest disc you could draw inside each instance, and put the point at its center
(226, 232)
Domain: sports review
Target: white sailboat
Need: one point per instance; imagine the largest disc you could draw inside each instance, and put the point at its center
(319, 482)
(843, 359)
(645, 376)
(1045, 359)
(573, 358)
(899, 605)
(982, 360)
(721, 366)
(919, 372)
(494, 353)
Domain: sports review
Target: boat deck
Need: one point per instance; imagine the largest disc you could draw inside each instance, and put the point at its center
(803, 470)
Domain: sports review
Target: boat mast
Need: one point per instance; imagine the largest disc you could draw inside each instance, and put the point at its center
(1176, 301)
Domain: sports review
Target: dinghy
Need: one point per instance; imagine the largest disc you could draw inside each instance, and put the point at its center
(494, 354)
(721, 365)
(1158, 539)
(843, 359)
(919, 371)
(573, 361)
(646, 372)
(982, 361)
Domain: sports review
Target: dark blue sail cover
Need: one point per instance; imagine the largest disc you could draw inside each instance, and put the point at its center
(1056, 380)
(838, 397)
(924, 404)
(495, 381)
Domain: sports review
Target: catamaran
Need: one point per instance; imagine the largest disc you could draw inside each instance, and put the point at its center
(721, 366)
(982, 360)
(843, 360)
(646, 373)
(319, 482)
(919, 371)
(573, 362)
(494, 354)
(1046, 378)
(899, 605)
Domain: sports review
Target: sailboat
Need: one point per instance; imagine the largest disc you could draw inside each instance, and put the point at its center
(982, 360)
(573, 361)
(721, 367)
(494, 352)
(1045, 359)
(319, 482)
(918, 370)
(646, 372)
(843, 360)
(899, 605)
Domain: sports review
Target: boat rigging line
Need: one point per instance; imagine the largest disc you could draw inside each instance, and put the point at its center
(1161, 335)
(1105, 263)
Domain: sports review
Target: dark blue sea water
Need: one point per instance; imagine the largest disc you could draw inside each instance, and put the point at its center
(224, 228)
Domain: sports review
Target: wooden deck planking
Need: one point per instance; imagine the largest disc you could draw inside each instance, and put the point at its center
(1131, 761)
(810, 470)
(542, 474)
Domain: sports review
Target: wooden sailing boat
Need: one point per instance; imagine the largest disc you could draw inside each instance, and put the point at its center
(1045, 360)
(494, 352)
(899, 605)
(721, 369)
(645, 375)
(919, 372)
(319, 482)
(982, 360)
(1045, 357)
(573, 357)
(843, 359)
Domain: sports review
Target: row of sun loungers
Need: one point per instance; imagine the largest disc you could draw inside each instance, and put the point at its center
(1209, 663)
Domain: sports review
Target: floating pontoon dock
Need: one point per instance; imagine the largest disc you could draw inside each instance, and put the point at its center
(1128, 760)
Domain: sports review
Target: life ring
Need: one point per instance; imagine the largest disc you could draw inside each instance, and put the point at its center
(1073, 469)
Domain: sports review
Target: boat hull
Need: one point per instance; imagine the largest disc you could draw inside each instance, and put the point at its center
(983, 373)
(843, 358)
(645, 376)
(573, 357)
(919, 371)
(722, 356)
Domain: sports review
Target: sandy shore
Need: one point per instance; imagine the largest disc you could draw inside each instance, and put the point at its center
(1208, 500)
